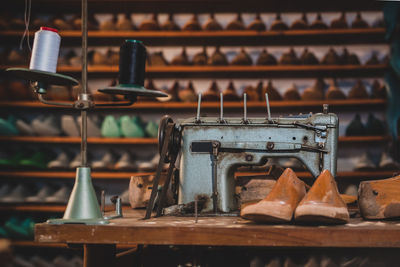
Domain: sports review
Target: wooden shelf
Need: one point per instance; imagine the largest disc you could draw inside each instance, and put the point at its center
(34, 244)
(145, 141)
(352, 103)
(43, 208)
(310, 71)
(69, 174)
(220, 38)
(77, 140)
(127, 175)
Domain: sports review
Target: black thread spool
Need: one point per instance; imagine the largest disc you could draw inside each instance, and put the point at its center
(132, 64)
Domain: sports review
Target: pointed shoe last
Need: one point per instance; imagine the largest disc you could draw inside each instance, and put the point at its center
(323, 203)
(278, 206)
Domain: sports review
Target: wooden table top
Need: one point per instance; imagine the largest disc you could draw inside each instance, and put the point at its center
(221, 231)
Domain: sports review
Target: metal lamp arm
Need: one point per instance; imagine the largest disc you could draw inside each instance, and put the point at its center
(54, 103)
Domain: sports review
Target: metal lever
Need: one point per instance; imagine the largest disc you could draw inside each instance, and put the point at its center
(221, 114)
(245, 120)
(116, 200)
(268, 110)
(198, 109)
(318, 128)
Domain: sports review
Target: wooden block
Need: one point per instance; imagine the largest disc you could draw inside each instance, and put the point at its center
(255, 189)
(380, 199)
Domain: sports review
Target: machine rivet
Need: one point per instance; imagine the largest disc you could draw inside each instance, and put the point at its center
(249, 158)
(270, 145)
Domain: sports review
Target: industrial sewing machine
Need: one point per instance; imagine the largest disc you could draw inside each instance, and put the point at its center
(211, 149)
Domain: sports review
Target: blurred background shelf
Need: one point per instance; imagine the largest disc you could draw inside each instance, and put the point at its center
(220, 38)
(368, 103)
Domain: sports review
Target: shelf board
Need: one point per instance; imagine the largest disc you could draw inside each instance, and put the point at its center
(127, 175)
(45, 208)
(213, 38)
(237, 71)
(214, 105)
(77, 140)
(34, 244)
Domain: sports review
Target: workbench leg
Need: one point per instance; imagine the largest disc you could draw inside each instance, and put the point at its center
(95, 255)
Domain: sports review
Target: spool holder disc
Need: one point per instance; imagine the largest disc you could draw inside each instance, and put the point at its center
(44, 77)
(132, 90)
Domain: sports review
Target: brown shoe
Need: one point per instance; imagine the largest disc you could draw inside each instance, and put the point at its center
(358, 91)
(289, 58)
(188, 94)
(158, 59)
(316, 92)
(379, 199)
(242, 59)
(212, 94)
(150, 24)
(181, 59)
(331, 58)
(300, 24)
(359, 22)
(291, 94)
(218, 58)
(322, 203)
(340, 23)
(201, 58)
(378, 90)
(230, 94)
(109, 25)
(273, 94)
(349, 58)
(266, 59)
(125, 23)
(257, 24)
(170, 24)
(308, 58)
(212, 24)
(192, 25)
(252, 93)
(373, 60)
(278, 206)
(334, 92)
(236, 24)
(278, 24)
(318, 23)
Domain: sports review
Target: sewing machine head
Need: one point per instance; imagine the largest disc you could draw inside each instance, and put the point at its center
(212, 148)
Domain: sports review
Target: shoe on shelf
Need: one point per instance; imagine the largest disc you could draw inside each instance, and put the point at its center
(192, 25)
(69, 126)
(158, 59)
(364, 163)
(278, 24)
(16, 195)
(236, 24)
(331, 58)
(124, 23)
(188, 94)
(289, 58)
(308, 58)
(322, 203)
(61, 162)
(355, 127)
(300, 24)
(358, 91)
(340, 23)
(38, 160)
(147, 166)
(242, 59)
(373, 60)
(170, 24)
(252, 93)
(218, 58)
(151, 129)
(181, 59)
(150, 24)
(41, 195)
(24, 128)
(61, 261)
(60, 196)
(93, 125)
(229, 94)
(7, 161)
(279, 205)
(4, 190)
(257, 24)
(378, 91)
(292, 94)
(109, 25)
(46, 126)
(318, 23)
(374, 126)
(76, 162)
(273, 94)
(349, 58)
(40, 262)
(359, 22)
(8, 127)
(388, 163)
(110, 127)
(201, 58)
(212, 93)
(131, 127)
(334, 92)
(105, 163)
(266, 59)
(125, 162)
(212, 24)
(18, 261)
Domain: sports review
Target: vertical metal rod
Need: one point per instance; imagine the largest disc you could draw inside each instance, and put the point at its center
(245, 107)
(198, 109)
(221, 115)
(84, 84)
(103, 202)
(268, 109)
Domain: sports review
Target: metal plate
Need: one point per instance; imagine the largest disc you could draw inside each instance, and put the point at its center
(139, 91)
(45, 77)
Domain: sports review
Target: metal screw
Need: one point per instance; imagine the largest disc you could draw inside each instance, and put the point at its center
(270, 145)
(249, 157)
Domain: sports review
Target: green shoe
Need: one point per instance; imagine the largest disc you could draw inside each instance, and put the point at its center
(3, 232)
(7, 127)
(131, 127)
(110, 127)
(38, 160)
(13, 161)
(152, 129)
(13, 228)
(29, 226)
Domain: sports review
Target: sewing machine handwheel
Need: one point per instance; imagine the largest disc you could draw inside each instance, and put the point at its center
(162, 128)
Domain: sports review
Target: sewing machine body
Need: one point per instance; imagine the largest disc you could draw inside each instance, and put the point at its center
(212, 148)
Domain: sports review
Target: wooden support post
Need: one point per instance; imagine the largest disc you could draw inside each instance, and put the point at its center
(96, 255)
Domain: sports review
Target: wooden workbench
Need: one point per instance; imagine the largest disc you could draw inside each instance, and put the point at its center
(99, 241)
